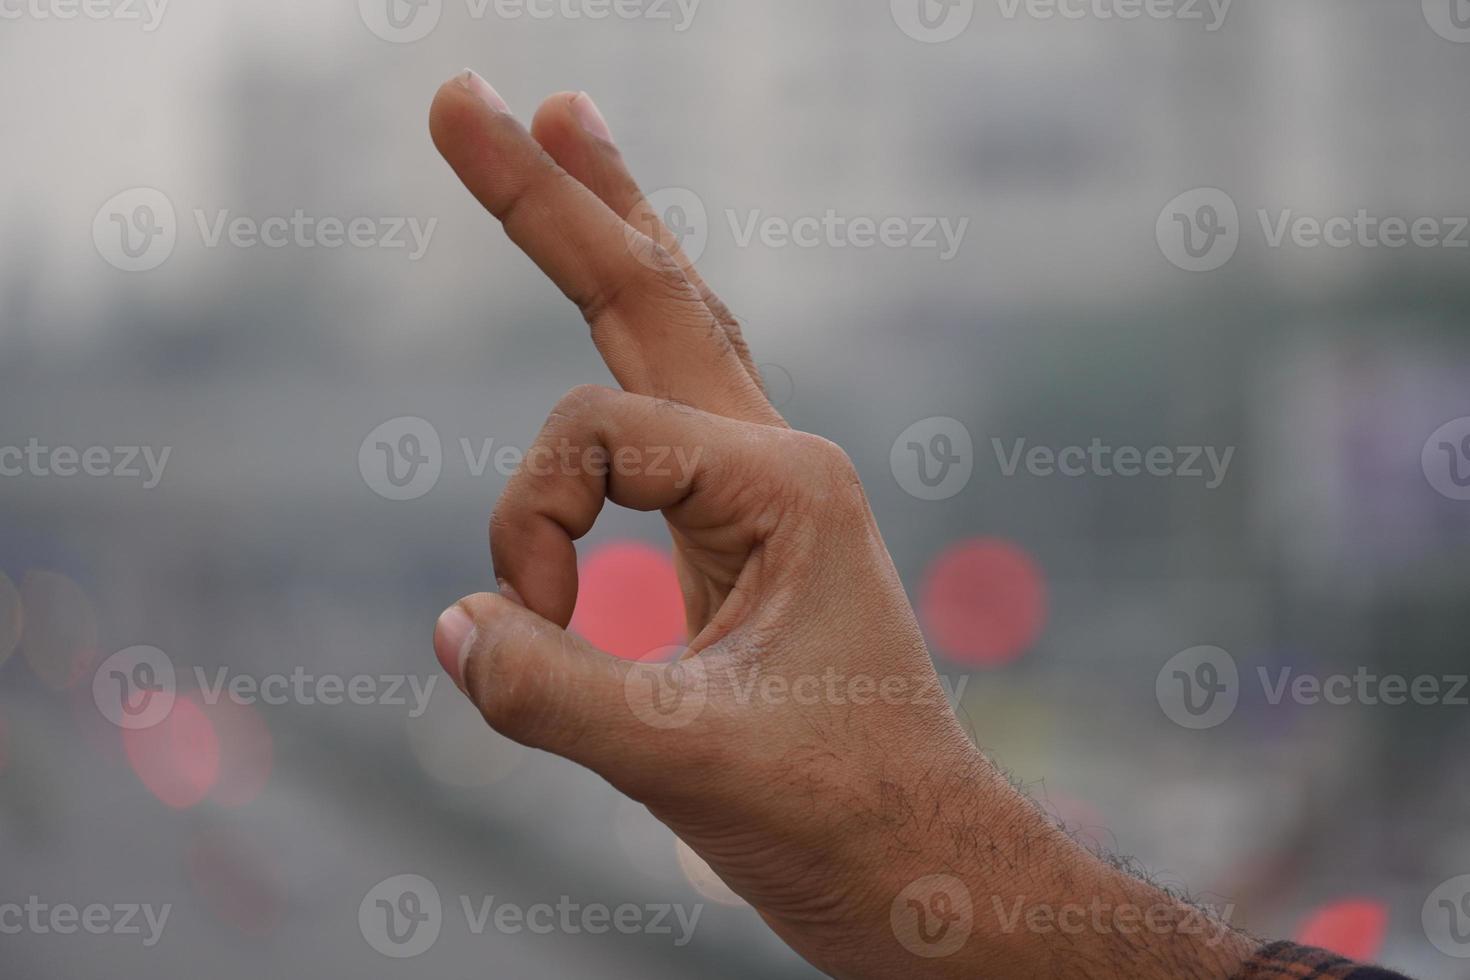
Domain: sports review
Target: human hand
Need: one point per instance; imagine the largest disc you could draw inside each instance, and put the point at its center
(803, 745)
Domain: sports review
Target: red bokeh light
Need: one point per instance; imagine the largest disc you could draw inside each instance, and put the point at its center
(983, 602)
(628, 600)
(179, 758)
(246, 751)
(239, 882)
(1353, 927)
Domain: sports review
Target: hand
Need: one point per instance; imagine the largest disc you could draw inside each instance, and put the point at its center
(803, 746)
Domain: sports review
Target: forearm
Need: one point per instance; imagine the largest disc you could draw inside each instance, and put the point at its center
(992, 888)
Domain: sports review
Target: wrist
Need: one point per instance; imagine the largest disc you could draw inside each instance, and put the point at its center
(987, 885)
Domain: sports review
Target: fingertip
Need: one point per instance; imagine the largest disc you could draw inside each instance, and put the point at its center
(461, 104)
(454, 634)
(556, 128)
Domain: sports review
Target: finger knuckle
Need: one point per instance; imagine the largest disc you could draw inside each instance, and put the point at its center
(654, 272)
(582, 399)
(830, 460)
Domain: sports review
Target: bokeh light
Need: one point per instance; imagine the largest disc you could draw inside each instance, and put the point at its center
(628, 600)
(703, 877)
(1353, 927)
(453, 744)
(178, 759)
(237, 880)
(983, 602)
(246, 751)
(60, 634)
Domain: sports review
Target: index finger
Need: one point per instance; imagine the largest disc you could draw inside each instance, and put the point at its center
(653, 329)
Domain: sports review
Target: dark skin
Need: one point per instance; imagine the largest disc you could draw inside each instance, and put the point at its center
(812, 758)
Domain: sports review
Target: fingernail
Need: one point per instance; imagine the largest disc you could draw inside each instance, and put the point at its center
(590, 117)
(482, 90)
(508, 591)
(453, 636)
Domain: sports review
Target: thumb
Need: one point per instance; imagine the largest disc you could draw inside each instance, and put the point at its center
(549, 689)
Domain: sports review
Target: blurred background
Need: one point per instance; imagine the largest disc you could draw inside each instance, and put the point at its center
(1115, 282)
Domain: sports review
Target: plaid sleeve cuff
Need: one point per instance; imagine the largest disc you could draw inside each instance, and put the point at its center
(1288, 961)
